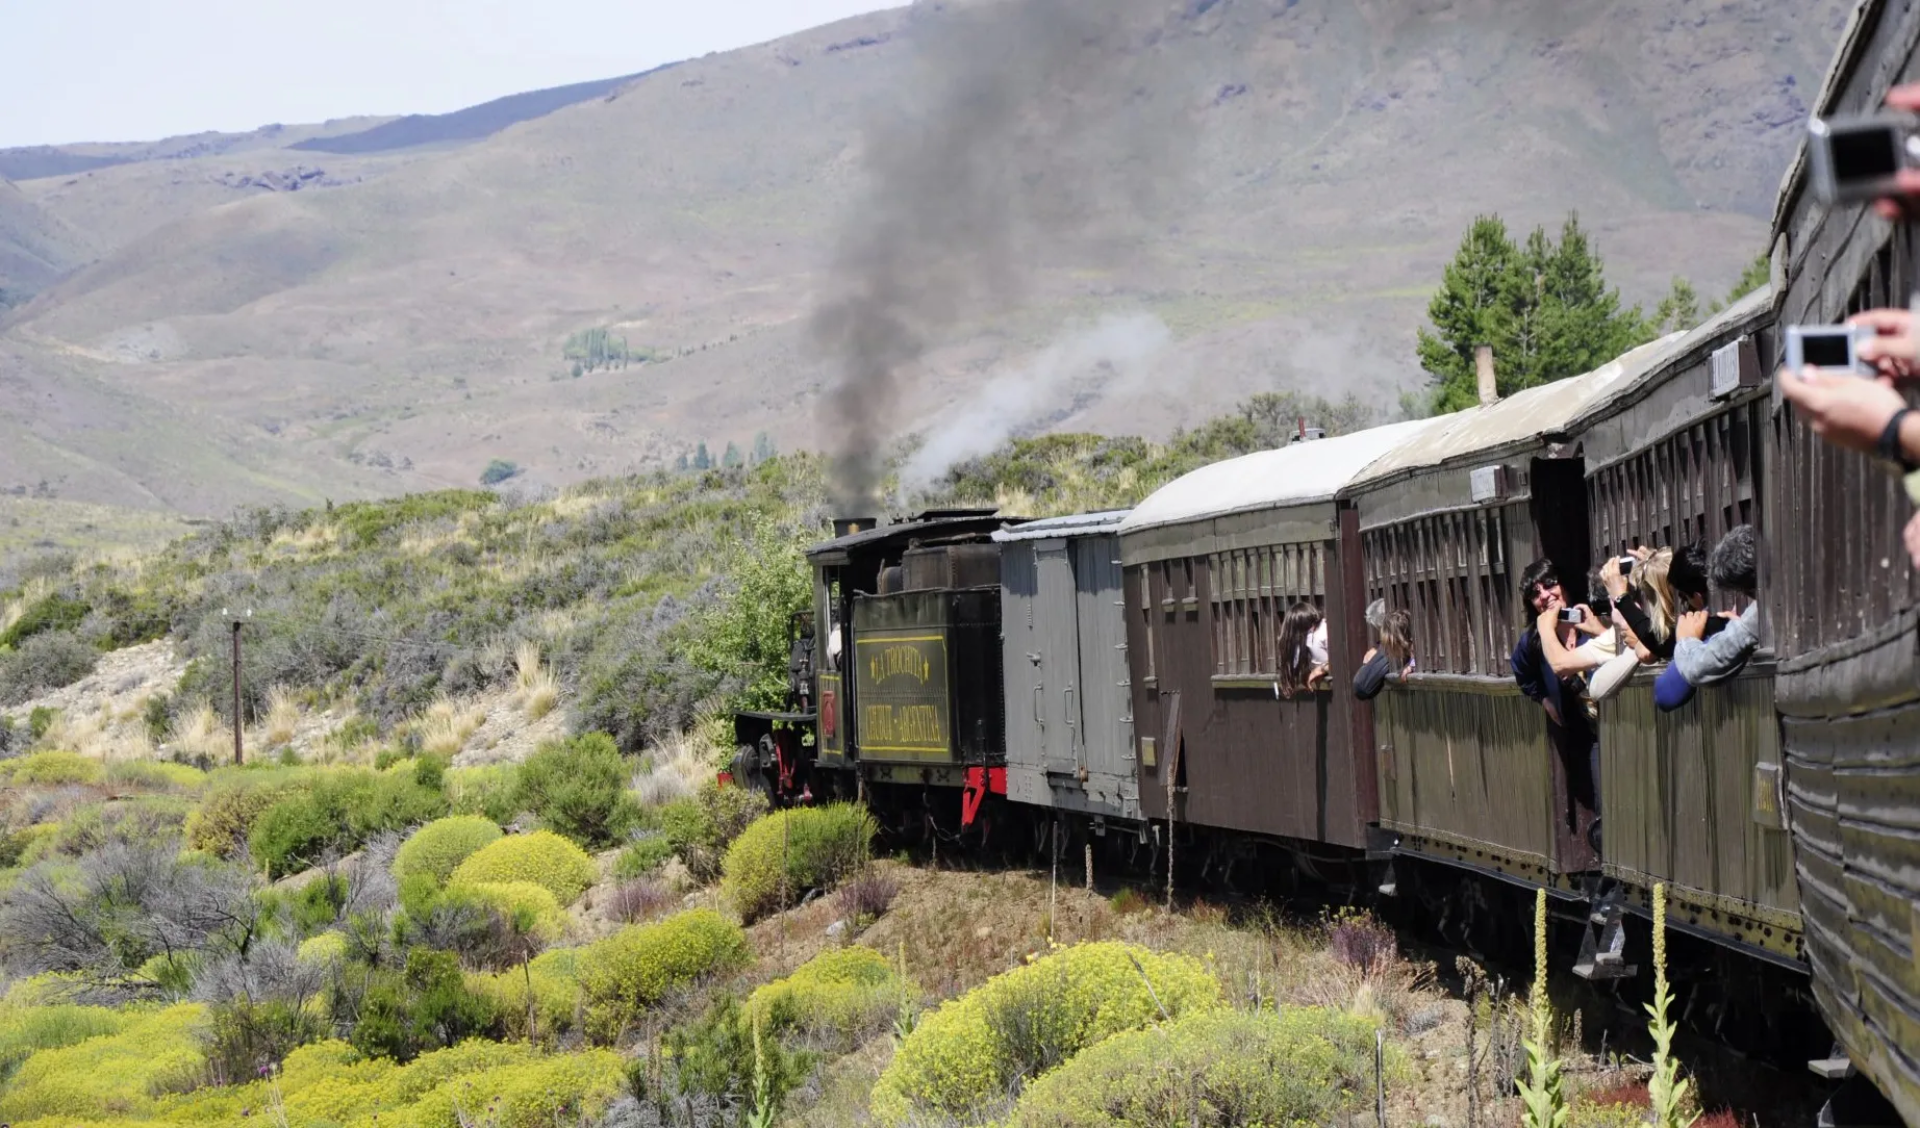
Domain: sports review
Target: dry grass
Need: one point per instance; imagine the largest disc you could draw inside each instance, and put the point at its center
(32, 592)
(447, 725)
(673, 770)
(536, 690)
(200, 734)
(283, 716)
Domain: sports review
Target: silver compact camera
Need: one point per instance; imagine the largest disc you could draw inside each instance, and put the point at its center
(1856, 158)
(1830, 348)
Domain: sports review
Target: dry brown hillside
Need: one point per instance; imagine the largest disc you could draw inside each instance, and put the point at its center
(399, 329)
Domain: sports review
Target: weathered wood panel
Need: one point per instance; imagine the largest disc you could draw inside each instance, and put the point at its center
(1466, 762)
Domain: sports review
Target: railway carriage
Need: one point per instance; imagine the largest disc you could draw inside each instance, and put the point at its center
(1446, 523)
(1839, 597)
(1213, 561)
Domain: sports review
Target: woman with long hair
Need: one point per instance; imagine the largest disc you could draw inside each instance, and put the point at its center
(1303, 649)
(1392, 657)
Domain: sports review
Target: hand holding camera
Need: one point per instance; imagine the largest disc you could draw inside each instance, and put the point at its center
(1870, 156)
(1850, 412)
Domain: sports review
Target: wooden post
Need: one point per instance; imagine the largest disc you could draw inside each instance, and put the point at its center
(238, 724)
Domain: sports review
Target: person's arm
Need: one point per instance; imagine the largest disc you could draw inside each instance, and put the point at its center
(1562, 661)
(1703, 662)
(1526, 672)
(1641, 623)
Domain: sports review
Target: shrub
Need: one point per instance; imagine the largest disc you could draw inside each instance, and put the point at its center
(723, 1061)
(578, 787)
(54, 613)
(224, 820)
(43, 663)
(540, 916)
(1022, 1022)
(328, 949)
(155, 775)
(1361, 942)
(842, 992)
(636, 900)
(867, 897)
(248, 1035)
(702, 828)
(25, 1031)
(499, 470)
(342, 809)
(439, 847)
(542, 857)
(1300, 1067)
(819, 845)
(538, 1093)
(556, 993)
(115, 1075)
(642, 856)
(623, 975)
(52, 769)
(427, 1005)
(489, 791)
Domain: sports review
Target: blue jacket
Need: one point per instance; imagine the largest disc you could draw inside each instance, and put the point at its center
(1537, 680)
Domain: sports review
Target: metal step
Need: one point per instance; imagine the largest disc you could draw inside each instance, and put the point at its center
(1603, 947)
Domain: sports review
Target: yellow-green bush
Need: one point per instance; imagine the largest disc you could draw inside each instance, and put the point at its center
(54, 768)
(542, 857)
(328, 949)
(224, 819)
(556, 993)
(488, 791)
(537, 1093)
(24, 1031)
(439, 847)
(839, 991)
(156, 775)
(112, 1075)
(623, 975)
(1300, 1067)
(1022, 1022)
(548, 919)
(819, 844)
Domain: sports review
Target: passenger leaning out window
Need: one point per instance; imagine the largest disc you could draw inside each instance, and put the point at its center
(1391, 658)
(1303, 644)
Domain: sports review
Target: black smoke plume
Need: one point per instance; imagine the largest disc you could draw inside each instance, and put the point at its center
(1029, 135)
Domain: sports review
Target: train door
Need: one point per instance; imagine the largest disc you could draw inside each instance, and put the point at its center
(1057, 694)
(1559, 489)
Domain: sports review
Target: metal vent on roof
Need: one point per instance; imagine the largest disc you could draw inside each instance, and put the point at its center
(1488, 483)
(1307, 435)
(1735, 366)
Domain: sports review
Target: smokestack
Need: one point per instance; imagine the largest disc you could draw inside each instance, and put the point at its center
(847, 526)
(1483, 371)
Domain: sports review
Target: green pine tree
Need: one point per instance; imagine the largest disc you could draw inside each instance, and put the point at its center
(1679, 310)
(762, 448)
(1758, 273)
(1545, 308)
(1473, 307)
(732, 456)
(701, 459)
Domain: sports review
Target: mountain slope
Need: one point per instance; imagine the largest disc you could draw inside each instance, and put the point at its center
(35, 248)
(408, 328)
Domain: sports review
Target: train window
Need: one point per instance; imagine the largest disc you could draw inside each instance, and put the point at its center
(1250, 598)
(1449, 572)
(1688, 488)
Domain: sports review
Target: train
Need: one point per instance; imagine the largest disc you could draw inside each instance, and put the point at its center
(1113, 676)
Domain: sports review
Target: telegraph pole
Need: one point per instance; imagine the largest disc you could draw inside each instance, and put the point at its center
(238, 726)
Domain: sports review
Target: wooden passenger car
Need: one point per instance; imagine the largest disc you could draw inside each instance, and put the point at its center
(1448, 522)
(1692, 797)
(1841, 602)
(1213, 561)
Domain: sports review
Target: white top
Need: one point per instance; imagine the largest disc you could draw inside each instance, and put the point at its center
(1270, 479)
(1317, 644)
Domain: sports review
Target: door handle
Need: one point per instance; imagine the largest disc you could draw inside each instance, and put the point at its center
(1038, 691)
(1070, 723)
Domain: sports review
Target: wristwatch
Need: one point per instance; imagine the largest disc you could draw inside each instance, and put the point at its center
(1890, 446)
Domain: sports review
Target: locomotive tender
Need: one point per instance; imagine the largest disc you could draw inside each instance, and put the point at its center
(1115, 674)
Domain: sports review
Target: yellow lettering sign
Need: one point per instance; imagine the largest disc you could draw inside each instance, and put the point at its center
(899, 661)
(904, 726)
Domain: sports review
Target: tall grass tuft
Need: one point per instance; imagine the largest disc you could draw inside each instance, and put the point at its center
(446, 726)
(1542, 1090)
(534, 684)
(199, 735)
(1666, 1090)
(283, 716)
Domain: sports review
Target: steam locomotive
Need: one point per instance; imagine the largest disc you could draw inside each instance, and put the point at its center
(1113, 676)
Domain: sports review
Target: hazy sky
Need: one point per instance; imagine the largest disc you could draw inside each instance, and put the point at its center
(128, 70)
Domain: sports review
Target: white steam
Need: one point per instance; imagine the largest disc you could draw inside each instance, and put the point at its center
(1066, 375)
